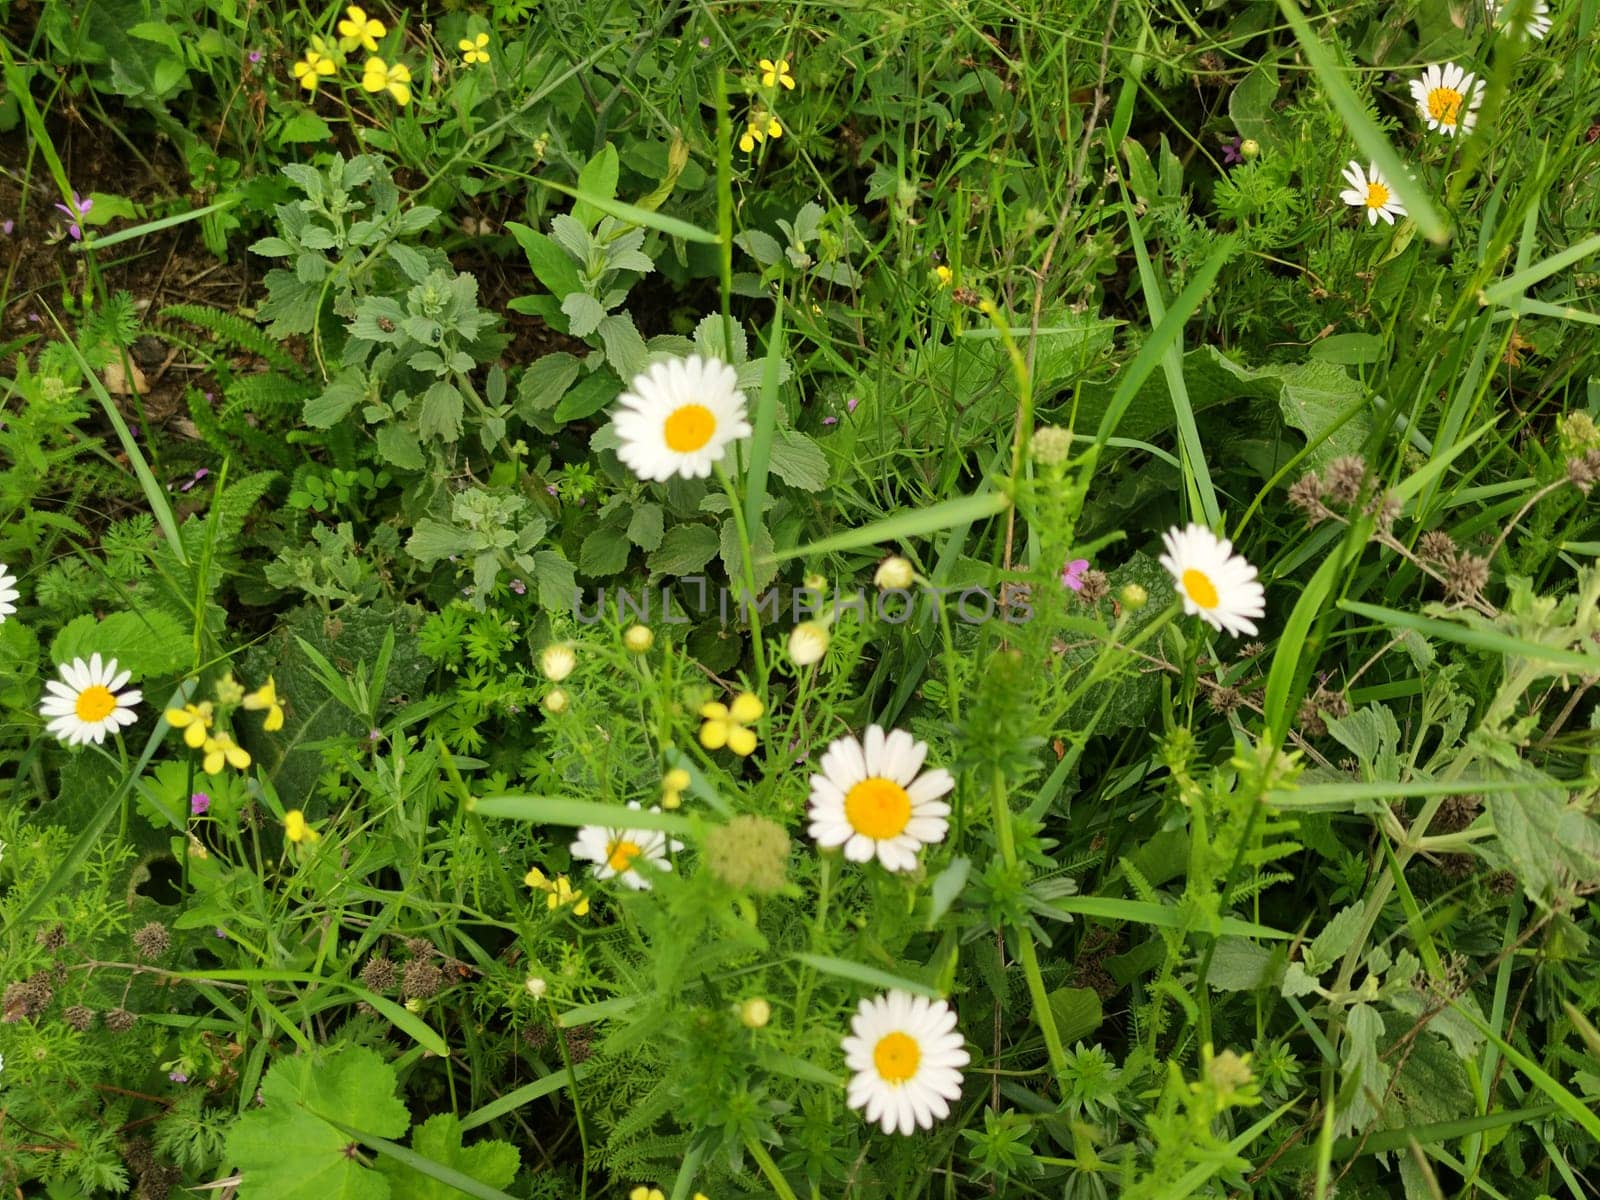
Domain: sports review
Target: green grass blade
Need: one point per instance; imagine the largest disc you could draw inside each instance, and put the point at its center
(1518, 282)
(1140, 912)
(1289, 659)
(526, 1094)
(138, 231)
(555, 810)
(1344, 797)
(1569, 1104)
(1196, 475)
(917, 523)
(1374, 145)
(153, 493)
(765, 427)
(634, 215)
(448, 1176)
(842, 968)
(1491, 640)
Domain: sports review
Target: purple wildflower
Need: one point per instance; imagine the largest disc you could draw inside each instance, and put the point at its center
(199, 804)
(78, 211)
(1231, 155)
(830, 420)
(7, 226)
(850, 404)
(177, 1077)
(199, 474)
(1072, 573)
(519, 587)
(254, 56)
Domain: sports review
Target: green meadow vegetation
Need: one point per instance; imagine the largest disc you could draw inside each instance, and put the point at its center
(690, 600)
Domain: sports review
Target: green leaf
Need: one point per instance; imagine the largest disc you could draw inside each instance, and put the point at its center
(440, 415)
(303, 127)
(604, 552)
(150, 642)
(1337, 936)
(645, 526)
(1348, 349)
(684, 550)
(597, 181)
(344, 391)
(545, 382)
(1077, 1011)
(1250, 106)
(1480, 638)
(633, 214)
(552, 266)
(917, 523)
(1239, 965)
(798, 460)
(286, 1151)
(438, 1139)
(589, 397)
(1364, 1076)
(432, 540)
(555, 581)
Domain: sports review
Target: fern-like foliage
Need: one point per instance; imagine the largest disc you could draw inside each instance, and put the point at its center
(232, 332)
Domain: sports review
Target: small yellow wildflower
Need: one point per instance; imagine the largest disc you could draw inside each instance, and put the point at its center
(646, 1193)
(296, 829)
(220, 749)
(314, 67)
(559, 891)
(945, 275)
(758, 130)
(379, 76)
(474, 50)
(774, 73)
(194, 720)
(358, 29)
(266, 696)
(727, 726)
(673, 784)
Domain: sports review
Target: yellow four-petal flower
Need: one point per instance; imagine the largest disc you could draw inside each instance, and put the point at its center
(379, 76)
(358, 29)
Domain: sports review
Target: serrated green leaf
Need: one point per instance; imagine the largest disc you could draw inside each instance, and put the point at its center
(645, 526)
(1337, 936)
(798, 460)
(684, 550)
(438, 1139)
(604, 552)
(344, 391)
(150, 642)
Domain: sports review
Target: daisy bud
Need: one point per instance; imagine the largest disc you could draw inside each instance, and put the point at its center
(1133, 597)
(808, 642)
(554, 702)
(557, 662)
(1249, 149)
(815, 581)
(638, 638)
(894, 572)
(754, 1013)
(536, 986)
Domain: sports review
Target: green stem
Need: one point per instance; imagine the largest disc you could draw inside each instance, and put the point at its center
(1026, 953)
(780, 1185)
(748, 570)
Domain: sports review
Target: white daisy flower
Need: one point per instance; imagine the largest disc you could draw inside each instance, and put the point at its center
(622, 852)
(678, 418)
(1535, 22)
(871, 800)
(906, 1055)
(8, 593)
(1370, 190)
(1216, 584)
(1448, 97)
(88, 703)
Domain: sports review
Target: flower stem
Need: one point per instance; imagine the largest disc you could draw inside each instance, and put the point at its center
(780, 1185)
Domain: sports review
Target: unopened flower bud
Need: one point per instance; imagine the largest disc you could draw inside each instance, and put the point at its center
(1249, 149)
(557, 662)
(895, 572)
(554, 702)
(1133, 597)
(536, 986)
(754, 1013)
(808, 642)
(1051, 445)
(815, 581)
(638, 638)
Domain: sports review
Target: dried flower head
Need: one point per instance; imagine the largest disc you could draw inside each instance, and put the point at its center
(120, 1020)
(151, 940)
(379, 974)
(1094, 586)
(1306, 495)
(1384, 509)
(1344, 479)
(421, 980)
(1583, 472)
(52, 938)
(1465, 576)
(1224, 700)
(80, 1017)
(1436, 546)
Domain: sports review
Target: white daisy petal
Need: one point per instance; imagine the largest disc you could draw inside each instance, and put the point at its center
(872, 797)
(1213, 583)
(88, 701)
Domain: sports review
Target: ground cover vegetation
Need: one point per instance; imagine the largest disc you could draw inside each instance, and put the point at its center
(706, 600)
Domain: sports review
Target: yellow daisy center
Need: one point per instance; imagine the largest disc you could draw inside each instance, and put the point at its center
(689, 427)
(1444, 105)
(879, 808)
(1377, 195)
(897, 1057)
(95, 703)
(621, 853)
(1199, 588)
